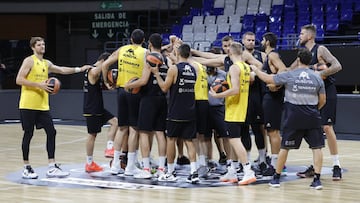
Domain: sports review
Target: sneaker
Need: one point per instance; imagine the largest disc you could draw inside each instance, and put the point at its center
(168, 177)
(336, 173)
(193, 178)
(308, 173)
(269, 171)
(284, 171)
(56, 172)
(249, 177)
(275, 182)
(144, 174)
(230, 176)
(159, 172)
(183, 160)
(316, 184)
(29, 173)
(212, 165)
(115, 170)
(109, 153)
(93, 167)
(132, 171)
(223, 158)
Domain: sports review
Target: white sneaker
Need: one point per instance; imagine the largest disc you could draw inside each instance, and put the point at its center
(116, 170)
(249, 177)
(29, 173)
(56, 172)
(168, 177)
(159, 172)
(130, 171)
(230, 176)
(144, 174)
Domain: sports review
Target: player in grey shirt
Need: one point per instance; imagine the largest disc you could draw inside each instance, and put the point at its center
(304, 97)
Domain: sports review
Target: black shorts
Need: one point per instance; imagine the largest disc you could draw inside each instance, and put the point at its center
(40, 119)
(181, 129)
(255, 113)
(272, 112)
(95, 122)
(128, 108)
(217, 122)
(237, 129)
(152, 113)
(328, 112)
(291, 138)
(202, 109)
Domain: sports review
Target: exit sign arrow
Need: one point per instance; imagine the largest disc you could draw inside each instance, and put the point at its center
(110, 5)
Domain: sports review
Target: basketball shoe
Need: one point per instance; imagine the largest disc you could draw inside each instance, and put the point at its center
(29, 173)
(56, 172)
(249, 177)
(143, 174)
(109, 153)
(193, 178)
(130, 171)
(93, 167)
(308, 173)
(168, 177)
(336, 173)
(115, 170)
(230, 176)
(316, 184)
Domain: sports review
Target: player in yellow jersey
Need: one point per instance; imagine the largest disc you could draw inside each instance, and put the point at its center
(131, 61)
(34, 104)
(236, 102)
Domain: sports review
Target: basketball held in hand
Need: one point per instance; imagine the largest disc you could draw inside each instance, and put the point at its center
(220, 86)
(133, 90)
(55, 84)
(112, 76)
(154, 59)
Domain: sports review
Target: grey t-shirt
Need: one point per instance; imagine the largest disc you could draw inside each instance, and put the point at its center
(302, 86)
(220, 75)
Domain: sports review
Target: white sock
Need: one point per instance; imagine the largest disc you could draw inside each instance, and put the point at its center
(248, 156)
(262, 155)
(192, 167)
(162, 161)
(336, 160)
(51, 164)
(202, 160)
(131, 159)
(171, 168)
(274, 158)
(116, 160)
(110, 144)
(146, 162)
(89, 159)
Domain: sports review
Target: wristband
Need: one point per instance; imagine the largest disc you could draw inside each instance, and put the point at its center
(77, 69)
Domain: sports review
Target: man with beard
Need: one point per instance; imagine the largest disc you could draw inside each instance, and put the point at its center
(321, 55)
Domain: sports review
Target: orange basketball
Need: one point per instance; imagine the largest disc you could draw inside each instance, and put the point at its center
(220, 85)
(154, 59)
(134, 90)
(55, 84)
(112, 76)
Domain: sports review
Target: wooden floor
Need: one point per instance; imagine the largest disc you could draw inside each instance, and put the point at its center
(71, 149)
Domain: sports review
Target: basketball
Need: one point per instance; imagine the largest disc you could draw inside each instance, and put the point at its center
(133, 90)
(112, 76)
(154, 59)
(55, 84)
(220, 86)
